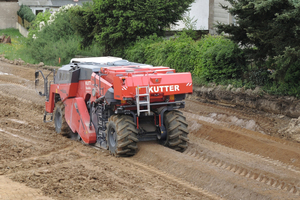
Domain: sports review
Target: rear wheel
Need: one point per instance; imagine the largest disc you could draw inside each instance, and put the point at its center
(61, 126)
(177, 131)
(121, 135)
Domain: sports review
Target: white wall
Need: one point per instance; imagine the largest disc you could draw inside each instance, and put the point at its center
(220, 15)
(37, 8)
(22, 30)
(200, 12)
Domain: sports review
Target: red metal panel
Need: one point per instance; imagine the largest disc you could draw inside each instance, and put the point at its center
(64, 90)
(84, 87)
(167, 84)
(67, 90)
(104, 84)
(49, 105)
(78, 118)
(118, 88)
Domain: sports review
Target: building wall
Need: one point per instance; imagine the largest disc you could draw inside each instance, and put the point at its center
(22, 30)
(200, 12)
(8, 14)
(207, 13)
(218, 14)
(35, 9)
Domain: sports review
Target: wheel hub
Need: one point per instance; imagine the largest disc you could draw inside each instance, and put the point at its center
(112, 137)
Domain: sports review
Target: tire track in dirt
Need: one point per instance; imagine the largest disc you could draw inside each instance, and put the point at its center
(246, 140)
(204, 174)
(191, 188)
(247, 172)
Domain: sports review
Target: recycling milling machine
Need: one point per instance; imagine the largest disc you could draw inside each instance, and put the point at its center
(113, 103)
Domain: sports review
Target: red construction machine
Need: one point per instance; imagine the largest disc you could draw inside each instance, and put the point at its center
(113, 103)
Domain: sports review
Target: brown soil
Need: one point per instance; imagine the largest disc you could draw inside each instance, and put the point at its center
(256, 99)
(233, 153)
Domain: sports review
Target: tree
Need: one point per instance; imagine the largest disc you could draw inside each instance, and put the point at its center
(267, 25)
(119, 22)
(269, 30)
(84, 22)
(26, 13)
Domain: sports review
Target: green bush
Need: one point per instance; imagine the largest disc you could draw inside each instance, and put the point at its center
(56, 39)
(220, 59)
(178, 52)
(26, 13)
(50, 52)
(40, 21)
(211, 58)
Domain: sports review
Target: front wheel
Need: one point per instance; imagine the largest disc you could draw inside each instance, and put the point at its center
(121, 135)
(177, 131)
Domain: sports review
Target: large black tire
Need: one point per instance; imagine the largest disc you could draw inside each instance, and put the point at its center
(177, 131)
(121, 135)
(61, 126)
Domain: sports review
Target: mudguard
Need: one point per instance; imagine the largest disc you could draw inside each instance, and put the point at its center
(78, 119)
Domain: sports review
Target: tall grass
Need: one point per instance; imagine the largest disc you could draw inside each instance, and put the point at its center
(17, 48)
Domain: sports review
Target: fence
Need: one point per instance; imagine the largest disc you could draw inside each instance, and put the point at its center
(24, 22)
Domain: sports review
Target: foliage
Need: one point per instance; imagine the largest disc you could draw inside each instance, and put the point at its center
(46, 18)
(270, 32)
(264, 24)
(39, 22)
(136, 52)
(210, 59)
(190, 26)
(94, 50)
(258, 75)
(56, 39)
(221, 59)
(157, 51)
(17, 48)
(26, 13)
(115, 23)
(84, 22)
(12, 32)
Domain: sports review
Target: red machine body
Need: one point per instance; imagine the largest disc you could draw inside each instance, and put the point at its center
(110, 86)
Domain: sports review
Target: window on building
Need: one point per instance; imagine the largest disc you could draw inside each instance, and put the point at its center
(38, 11)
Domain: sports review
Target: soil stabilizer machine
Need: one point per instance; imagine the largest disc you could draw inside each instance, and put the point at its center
(113, 103)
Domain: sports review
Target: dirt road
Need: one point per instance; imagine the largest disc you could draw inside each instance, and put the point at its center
(233, 153)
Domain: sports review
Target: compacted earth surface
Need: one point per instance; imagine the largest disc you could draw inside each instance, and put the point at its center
(233, 153)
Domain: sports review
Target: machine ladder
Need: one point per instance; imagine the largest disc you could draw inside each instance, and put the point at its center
(140, 103)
